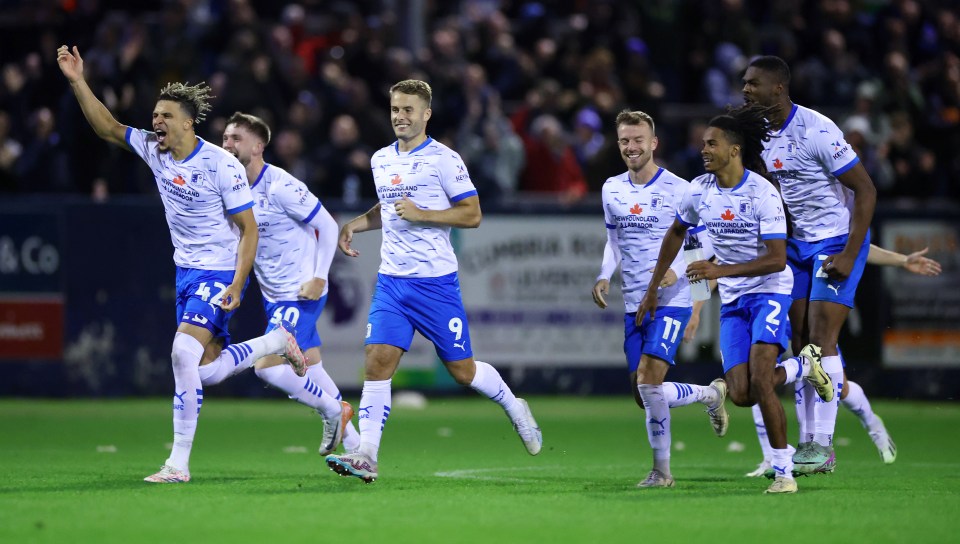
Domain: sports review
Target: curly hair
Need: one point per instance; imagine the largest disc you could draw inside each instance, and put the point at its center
(194, 99)
(747, 126)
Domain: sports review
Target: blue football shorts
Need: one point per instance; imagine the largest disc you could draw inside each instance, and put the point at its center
(658, 337)
(755, 318)
(198, 299)
(303, 314)
(810, 281)
(430, 306)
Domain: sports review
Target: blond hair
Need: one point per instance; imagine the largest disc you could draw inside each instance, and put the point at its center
(414, 87)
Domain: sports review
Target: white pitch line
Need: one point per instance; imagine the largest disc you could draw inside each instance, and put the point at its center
(479, 473)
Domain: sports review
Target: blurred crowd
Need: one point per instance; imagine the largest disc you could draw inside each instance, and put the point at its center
(525, 91)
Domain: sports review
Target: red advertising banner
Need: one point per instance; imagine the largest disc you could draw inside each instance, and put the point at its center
(31, 328)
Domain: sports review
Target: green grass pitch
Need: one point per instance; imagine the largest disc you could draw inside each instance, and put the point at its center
(456, 472)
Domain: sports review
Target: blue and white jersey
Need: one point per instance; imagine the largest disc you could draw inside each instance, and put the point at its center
(287, 249)
(198, 193)
(434, 177)
(641, 214)
(805, 157)
(737, 221)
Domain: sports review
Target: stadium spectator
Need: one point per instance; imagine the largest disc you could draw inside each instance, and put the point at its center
(551, 165)
(10, 151)
(556, 59)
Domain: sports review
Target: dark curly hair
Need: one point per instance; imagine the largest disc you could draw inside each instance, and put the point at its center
(194, 99)
(747, 126)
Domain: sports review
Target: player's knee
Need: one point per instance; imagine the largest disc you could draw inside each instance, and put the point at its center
(740, 396)
(461, 376)
(187, 351)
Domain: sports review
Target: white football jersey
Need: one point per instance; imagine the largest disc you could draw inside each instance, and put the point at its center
(198, 193)
(434, 177)
(287, 250)
(737, 222)
(641, 214)
(805, 157)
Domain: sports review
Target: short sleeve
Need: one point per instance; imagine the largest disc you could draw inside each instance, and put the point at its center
(141, 142)
(833, 151)
(231, 180)
(687, 212)
(607, 216)
(773, 222)
(454, 178)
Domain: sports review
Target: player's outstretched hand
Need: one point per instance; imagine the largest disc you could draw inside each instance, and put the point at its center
(601, 288)
(70, 63)
(230, 299)
(346, 236)
(918, 264)
(311, 290)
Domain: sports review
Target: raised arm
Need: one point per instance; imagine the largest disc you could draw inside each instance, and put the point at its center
(371, 220)
(96, 113)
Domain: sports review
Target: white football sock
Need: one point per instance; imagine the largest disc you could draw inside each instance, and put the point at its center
(806, 397)
(188, 398)
(316, 372)
(783, 462)
(762, 433)
(794, 369)
(303, 390)
(857, 403)
(372, 415)
(658, 425)
(681, 394)
(826, 412)
(487, 381)
(236, 358)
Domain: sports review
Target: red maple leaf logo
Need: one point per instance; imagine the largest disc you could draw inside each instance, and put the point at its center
(636, 209)
(179, 180)
(727, 215)
(777, 164)
(396, 179)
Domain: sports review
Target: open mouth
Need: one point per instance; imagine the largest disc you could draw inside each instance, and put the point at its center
(161, 136)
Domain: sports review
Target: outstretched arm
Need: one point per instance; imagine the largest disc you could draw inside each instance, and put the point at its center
(914, 262)
(96, 113)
